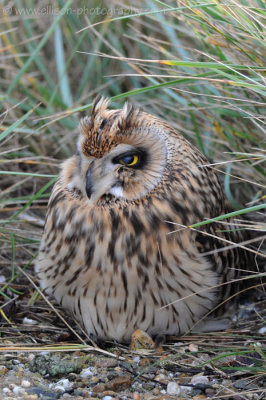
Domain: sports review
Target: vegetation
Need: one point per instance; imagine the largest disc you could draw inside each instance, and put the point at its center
(199, 65)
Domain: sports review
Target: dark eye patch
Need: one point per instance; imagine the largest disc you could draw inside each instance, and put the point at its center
(131, 159)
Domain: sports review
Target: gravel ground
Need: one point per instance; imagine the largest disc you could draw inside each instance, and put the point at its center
(50, 376)
(40, 358)
(185, 369)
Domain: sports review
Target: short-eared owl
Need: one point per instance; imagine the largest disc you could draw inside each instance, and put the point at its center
(117, 249)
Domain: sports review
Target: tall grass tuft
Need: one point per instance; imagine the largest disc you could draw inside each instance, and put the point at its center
(199, 65)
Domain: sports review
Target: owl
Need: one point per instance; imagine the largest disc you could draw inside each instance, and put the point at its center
(117, 250)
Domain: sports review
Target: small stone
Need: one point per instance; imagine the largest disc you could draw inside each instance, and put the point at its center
(200, 379)
(29, 321)
(99, 388)
(141, 340)
(42, 393)
(18, 390)
(147, 386)
(106, 363)
(3, 370)
(245, 385)
(119, 383)
(109, 393)
(193, 347)
(199, 397)
(20, 372)
(161, 378)
(136, 396)
(94, 380)
(186, 389)
(31, 357)
(59, 388)
(65, 384)
(173, 388)
(25, 384)
(31, 397)
(149, 396)
(144, 361)
(107, 398)
(85, 373)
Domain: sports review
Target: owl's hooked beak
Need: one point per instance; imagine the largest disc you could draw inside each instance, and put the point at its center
(98, 182)
(89, 185)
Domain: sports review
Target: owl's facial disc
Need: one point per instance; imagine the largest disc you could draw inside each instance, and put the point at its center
(121, 153)
(110, 174)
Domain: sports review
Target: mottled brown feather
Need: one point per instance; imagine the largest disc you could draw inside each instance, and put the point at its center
(108, 251)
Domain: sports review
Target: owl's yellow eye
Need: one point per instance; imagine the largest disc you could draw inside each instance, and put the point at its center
(130, 160)
(133, 159)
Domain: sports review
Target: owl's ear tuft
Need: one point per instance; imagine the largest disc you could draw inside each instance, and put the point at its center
(99, 105)
(128, 116)
(88, 125)
(85, 126)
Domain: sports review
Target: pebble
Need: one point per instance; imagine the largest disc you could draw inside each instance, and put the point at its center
(245, 385)
(200, 379)
(65, 384)
(18, 390)
(193, 347)
(3, 370)
(109, 393)
(42, 393)
(85, 373)
(161, 378)
(262, 330)
(119, 383)
(99, 388)
(147, 386)
(25, 384)
(106, 363)
(173, 388)
(144, 361)
(141, 340)
(29, 321)
(136, 396)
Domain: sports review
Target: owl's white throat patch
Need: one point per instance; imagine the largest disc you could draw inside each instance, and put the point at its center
(117, 191)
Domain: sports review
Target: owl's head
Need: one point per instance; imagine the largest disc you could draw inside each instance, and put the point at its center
(121, 153)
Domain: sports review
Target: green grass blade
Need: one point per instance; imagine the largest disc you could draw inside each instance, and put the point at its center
(229, 215)
(15, 124)
(61, 67)
(37, 49)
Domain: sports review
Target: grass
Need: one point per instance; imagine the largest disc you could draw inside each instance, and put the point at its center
(199, 65)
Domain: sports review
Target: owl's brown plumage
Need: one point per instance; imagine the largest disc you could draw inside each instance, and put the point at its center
(107, 252)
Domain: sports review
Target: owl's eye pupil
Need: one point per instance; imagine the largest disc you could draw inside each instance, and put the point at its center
(129, 160)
